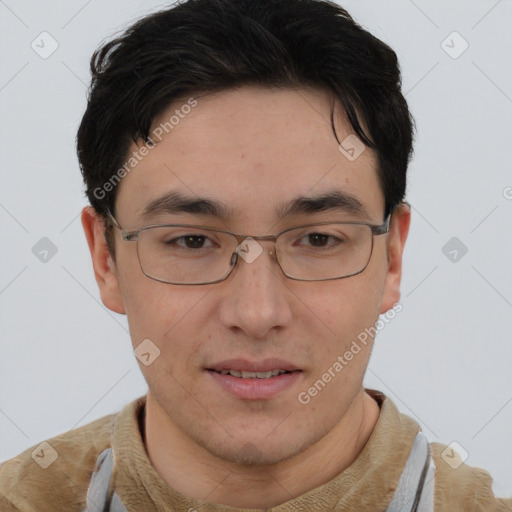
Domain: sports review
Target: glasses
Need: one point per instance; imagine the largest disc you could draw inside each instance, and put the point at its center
(193, 255)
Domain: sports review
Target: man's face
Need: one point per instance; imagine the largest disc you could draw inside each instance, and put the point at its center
(253, 150)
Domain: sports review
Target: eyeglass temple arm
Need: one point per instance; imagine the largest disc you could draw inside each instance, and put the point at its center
(384, 227)
(113, 220)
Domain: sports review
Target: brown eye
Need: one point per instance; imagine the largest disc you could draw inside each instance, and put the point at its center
(192, 241)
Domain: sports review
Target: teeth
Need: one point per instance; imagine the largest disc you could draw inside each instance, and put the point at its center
(253, 375)
(258, 375)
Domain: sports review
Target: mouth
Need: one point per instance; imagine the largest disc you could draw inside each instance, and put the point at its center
(253, 375)
(254, 380)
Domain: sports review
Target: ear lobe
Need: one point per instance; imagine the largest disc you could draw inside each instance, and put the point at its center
(397, 237)
(104, 266)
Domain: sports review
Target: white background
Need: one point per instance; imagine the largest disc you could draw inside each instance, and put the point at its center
(446, 358)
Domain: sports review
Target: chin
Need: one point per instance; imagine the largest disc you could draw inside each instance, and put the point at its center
(254, 454)
(256, 449)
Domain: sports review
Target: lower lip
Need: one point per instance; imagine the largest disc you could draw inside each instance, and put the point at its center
(255, 389)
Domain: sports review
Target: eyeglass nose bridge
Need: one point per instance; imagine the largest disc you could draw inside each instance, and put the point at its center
(243, 238)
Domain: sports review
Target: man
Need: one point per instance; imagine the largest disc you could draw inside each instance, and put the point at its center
(246, 164)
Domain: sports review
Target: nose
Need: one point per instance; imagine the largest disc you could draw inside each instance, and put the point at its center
(256, 298)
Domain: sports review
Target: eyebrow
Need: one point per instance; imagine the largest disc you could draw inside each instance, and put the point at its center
(335, 200)
(176, 202)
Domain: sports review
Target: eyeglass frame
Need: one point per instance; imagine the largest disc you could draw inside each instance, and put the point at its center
(133, 236)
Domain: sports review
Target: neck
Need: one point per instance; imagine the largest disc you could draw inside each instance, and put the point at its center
(194, 472)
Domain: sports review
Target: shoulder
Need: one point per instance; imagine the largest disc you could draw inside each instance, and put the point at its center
(54, 474)
(462, 487)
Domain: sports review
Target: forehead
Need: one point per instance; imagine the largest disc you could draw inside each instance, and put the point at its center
(253, 150)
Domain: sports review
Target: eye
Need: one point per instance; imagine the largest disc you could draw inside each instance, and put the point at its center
(191, 241)
(320, 240)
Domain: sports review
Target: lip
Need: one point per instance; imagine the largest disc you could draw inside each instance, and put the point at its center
(254, 388)
(253, 366)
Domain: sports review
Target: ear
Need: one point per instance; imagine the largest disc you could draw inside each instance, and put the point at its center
(397, 236)
(104, 267)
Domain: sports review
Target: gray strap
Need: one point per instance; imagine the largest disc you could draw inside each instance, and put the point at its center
(415, 489)
(426, 503)
(116, 505)
(97, 495)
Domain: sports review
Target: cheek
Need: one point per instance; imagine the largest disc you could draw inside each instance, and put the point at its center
(349, 305)
(149, 311)
(170, 316)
